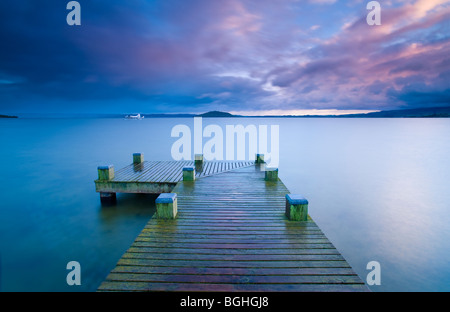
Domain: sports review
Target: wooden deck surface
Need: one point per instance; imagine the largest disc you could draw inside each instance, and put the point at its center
(161, 176)
(231, 234)
(172, 171)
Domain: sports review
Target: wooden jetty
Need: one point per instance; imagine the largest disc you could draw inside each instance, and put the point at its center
(233, 230)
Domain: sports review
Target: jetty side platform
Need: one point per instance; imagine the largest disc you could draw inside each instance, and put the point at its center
(156, 177)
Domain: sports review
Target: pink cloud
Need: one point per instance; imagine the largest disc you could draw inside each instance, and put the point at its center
(358, 66)
(347, 67)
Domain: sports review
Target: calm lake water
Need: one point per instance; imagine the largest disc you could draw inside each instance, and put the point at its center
(378, 188)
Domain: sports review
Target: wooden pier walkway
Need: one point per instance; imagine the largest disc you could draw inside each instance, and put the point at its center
(231, 234)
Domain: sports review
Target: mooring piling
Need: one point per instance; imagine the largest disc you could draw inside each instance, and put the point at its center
(259, 158)
(188, 173)
(138, 158)
(296, 207)
(166, 206)
(105, 173)
(271, 174)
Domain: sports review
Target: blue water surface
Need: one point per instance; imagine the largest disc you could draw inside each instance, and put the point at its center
(378, 188)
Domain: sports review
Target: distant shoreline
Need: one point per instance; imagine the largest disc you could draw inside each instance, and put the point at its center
(237, 117)
(432, 112)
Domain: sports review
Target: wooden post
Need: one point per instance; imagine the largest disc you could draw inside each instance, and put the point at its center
(188, 174)
(108, 198)
(105, 173)
(198, 159)
(138, 162)
(271, 174)
(198, 162)
(259, 158)
(138, 158)
(166, 206)
(296, 207)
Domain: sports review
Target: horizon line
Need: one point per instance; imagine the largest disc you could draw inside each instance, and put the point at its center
(262, 113)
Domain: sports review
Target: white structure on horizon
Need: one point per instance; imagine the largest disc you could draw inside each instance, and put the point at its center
(138, 116)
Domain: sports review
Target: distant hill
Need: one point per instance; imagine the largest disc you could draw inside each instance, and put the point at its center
(6, 116)
(216, 114)
(429, 112)
(206, 115)
(407, 113)
(168, 115)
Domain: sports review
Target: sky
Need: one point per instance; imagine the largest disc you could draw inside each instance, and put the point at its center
(251, 57)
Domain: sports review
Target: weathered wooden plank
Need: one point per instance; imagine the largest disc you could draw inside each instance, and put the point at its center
(122, 175)
(235, 218)
(168, 171)
(134, 187)
(235, 264)
(235, 279)
(248, 240)
(198, 287)
(233, 271)
(215, 168)
(232, 231)
(264, 238)
(223, 246)
(219, 251)
(228, 257)
(248, 231)
(233, 241)
(251, 231)
(132, 175)
(153, 175)
(204, 169)
(261, 236)
(209, 170)
(222, 225)
(176, 175)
